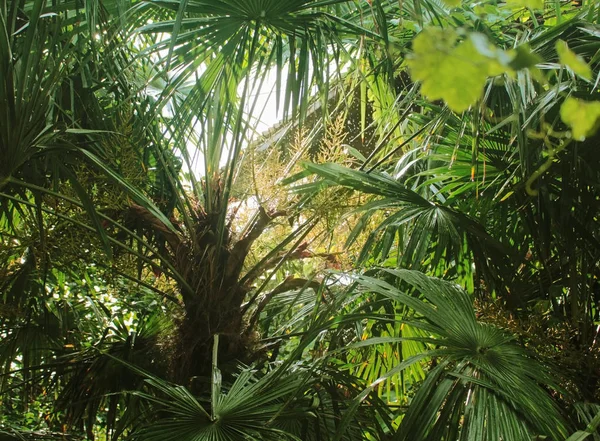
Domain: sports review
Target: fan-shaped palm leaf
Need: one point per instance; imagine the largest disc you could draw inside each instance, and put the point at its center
(481, 385)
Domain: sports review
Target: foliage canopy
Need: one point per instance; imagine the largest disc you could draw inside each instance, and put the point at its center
(411, 253)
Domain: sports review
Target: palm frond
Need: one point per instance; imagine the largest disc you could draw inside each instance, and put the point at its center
(481, 384)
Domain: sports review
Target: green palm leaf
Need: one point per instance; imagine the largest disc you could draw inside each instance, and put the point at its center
(483, 386)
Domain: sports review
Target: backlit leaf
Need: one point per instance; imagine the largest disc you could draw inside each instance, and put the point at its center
(572, 60)
(455, 73)
(524, 58)
(582, 116)
(453, 3)
(531, 4)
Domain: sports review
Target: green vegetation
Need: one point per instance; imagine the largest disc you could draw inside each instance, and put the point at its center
(411, 253)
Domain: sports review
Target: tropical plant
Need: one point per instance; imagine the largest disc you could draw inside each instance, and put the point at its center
(150, 291)
(505, 182)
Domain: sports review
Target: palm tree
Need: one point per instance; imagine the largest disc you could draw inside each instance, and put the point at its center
(228, 47)
(185, 235)
(132, 98)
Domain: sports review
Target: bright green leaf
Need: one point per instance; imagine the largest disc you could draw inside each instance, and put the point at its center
(453, 3)
(572, 60)
(583, 117)
(454, 73)
(524, 58)
(531, 4)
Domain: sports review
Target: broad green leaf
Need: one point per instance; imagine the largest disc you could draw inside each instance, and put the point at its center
(531, 4)
(524, 58)
(453, 3)
(582, 116)
(455, 73)
(572, 60)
